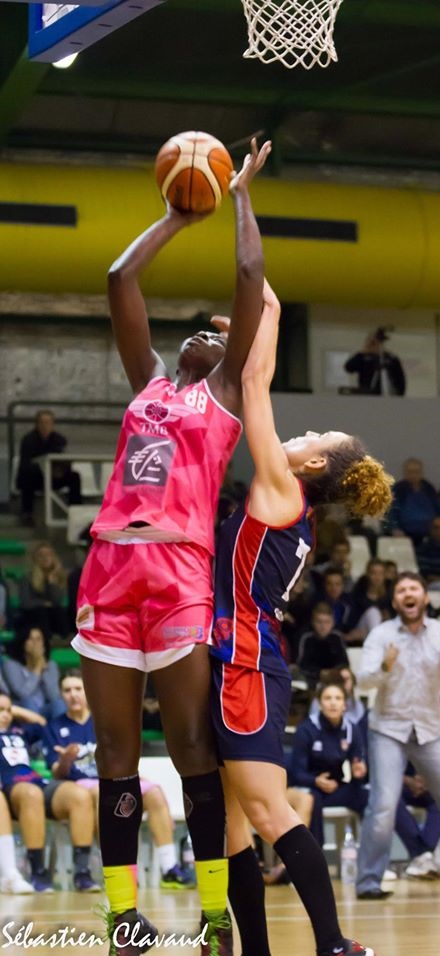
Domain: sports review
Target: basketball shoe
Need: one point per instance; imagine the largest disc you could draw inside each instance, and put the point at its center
(217, 935)
(352, 948)
(129, 933)
(178, 878)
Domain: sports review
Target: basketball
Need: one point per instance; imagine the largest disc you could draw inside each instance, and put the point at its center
(193, 171)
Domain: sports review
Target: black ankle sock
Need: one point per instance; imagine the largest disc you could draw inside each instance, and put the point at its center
(246, 895)
(81, 858)
(205, 814)
(308, 871)
(120, 815)
(36, 860)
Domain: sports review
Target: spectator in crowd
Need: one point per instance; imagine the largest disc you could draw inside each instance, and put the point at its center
(333, 594)
(43, 592)
(428, 554)
(401, 658)
(31, 677)
(44, 440)
(379, 372)
(340, 559)
(4, 603)
(321, 746)
(322, 648)
(330, 530)
(371, 601)
(31, 799)
(69, 748)
(295, 619)
(354, 708)
(415, 503)
(420, 842)
(11, 880)
(73, 579)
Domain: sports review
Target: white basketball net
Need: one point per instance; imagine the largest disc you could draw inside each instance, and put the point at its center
(295, 32)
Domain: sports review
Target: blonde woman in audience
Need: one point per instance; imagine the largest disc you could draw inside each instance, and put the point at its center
(43, 591)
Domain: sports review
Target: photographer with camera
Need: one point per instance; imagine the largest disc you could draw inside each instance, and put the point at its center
(379, 372)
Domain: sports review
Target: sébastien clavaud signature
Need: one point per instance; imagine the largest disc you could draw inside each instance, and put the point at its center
(14, 935)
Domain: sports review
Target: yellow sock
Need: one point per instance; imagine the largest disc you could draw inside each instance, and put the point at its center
(121, 887)
(212, 883)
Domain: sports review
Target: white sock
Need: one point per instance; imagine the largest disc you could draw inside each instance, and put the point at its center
(167, 857)
(7, 855)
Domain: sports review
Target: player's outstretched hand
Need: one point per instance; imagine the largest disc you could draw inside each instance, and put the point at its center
(186, 218)
(253, 162)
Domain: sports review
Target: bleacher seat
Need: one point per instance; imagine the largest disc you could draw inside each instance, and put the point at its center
(86, 471)
(106, 470)
(400, 550)
(65, 657)
(78, 518)
(359, 555)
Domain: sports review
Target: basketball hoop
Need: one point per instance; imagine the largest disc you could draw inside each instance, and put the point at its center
(294, 32)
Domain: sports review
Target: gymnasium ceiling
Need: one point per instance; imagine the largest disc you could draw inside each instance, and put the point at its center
(180, 67)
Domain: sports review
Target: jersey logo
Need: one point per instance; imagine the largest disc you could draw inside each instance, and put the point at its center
(148, 460)
(156, 412)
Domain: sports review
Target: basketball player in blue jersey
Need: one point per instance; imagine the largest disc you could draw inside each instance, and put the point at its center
(261, 553)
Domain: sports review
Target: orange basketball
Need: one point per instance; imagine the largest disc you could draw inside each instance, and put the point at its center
(193, 171)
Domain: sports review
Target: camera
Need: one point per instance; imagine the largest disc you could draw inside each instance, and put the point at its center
(381, 333)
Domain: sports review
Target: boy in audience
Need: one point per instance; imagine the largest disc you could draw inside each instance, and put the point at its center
(31, 799)
(69, 747)
(322, 648)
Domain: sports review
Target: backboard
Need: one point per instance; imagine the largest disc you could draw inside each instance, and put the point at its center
(58, 29)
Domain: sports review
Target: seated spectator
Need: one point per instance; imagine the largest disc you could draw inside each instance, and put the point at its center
(419, 841)
(321, 746)
(329, 531)
(43, 592)
(31, 799)
(354, 708)
(11, 880)
(339, 559)
(295, 619)
(44, 440)
(69, 747)
(333, 594)
(371, 601)
(4, 603)
(31, 678)
(428, 554)
(322, 648)
(415, 503)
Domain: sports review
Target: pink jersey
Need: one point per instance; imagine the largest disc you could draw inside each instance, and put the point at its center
(170, 461)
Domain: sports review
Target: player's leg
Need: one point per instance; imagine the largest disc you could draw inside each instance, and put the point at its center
(27, 805)
(64, 800)
(183, 691)
(115, 697)
(11, 880)
(244, 871)
(261, 791)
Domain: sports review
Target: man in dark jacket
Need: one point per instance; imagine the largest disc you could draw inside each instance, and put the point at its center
(44, 440)
(379, 372)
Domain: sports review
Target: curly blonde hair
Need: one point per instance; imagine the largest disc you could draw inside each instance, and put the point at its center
(354, 479)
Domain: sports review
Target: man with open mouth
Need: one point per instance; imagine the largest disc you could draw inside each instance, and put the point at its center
(401, 658)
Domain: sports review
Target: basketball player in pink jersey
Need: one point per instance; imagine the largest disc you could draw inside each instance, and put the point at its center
(261, 551)
(145, 600)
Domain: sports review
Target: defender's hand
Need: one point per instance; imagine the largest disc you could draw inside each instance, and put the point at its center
(253, 162)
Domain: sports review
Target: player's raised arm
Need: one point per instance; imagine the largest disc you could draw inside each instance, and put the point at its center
(275, 493)
(248, 295)
(127, 305)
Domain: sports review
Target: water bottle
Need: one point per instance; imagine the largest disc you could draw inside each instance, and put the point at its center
(187, 856)
(348, 857)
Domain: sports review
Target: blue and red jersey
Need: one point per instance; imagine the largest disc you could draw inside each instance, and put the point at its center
(256, 567)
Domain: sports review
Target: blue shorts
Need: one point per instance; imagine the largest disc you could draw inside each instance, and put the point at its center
(249, 712)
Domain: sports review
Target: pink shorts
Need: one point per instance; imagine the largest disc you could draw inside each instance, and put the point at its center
(143, 605)
(92, 783)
